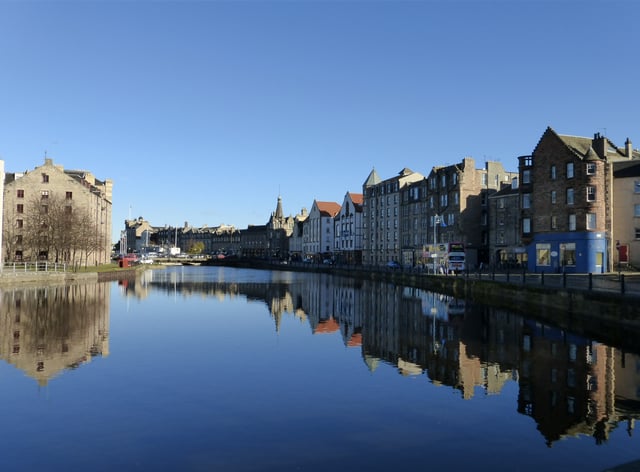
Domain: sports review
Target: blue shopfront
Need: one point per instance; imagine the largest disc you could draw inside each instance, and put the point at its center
(568, 252)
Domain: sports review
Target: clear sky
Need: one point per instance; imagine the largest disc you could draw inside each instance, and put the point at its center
(207, 111)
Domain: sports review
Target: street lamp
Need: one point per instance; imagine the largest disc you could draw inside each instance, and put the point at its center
(436, 222)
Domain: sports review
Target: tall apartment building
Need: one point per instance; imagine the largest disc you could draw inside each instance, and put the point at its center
(505, 242)
(56, 215)
(566, 189)
(381, 216)
(458, 206)
(348, 230)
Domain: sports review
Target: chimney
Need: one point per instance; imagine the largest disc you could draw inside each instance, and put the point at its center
(628, 148)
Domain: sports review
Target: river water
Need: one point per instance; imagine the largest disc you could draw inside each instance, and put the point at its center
(220, 369)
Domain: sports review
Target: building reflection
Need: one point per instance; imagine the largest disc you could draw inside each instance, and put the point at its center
(45, 331)
(569, 384)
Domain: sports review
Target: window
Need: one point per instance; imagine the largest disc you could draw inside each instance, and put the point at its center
(591, 168)
(526, 200)
(501, 203)
(553, 173)
(20, 193)
(554, 222)
(591, 221)
(591, 194)
(454, 178)
(45, 209)
(572, 222)
(443, 200)
(526, 176)
(44, 194)
(443, 180)
(543, 254)
(69, 196)
(636, 186)
(569, 170)
(45, 178)
(569, 196)
(485, 179)
(636, 210)
(19, 224)
(19, 239)
(20, 208)
(553, 197)
(526, 225)
(637, 233)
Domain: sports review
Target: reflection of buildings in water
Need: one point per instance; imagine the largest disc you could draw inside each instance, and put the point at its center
(568, 384)
(574, 386)
(47, 330)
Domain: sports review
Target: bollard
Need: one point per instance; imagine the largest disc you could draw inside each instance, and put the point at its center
(542, 278)
(590, 281)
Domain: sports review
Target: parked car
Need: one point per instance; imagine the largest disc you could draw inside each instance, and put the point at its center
(393, 265)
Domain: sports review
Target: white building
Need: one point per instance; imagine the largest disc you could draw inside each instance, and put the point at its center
(318, 237)
(348, 230)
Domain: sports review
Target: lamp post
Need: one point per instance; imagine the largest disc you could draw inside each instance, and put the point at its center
(436, 221)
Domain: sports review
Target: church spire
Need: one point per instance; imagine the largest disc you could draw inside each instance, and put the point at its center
(279, 213)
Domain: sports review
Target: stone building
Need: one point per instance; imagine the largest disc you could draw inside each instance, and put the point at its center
(505, 243)
(297, 236)
(57, 215)
(566, 189)
(348, 230)
(381, 216)
(457, 205)
(1, 212)
(279, 229)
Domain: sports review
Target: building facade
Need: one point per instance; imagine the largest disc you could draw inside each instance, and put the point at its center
(348, 230)
(505, 244)
(458, 205)
(318, 237)
(566, 190)
(626, 214)
(56, 215)
(381, 216)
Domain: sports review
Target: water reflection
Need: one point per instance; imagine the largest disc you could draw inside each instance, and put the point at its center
(570, 385)
(45, 331)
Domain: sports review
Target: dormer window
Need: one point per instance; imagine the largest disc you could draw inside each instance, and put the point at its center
(591, 168)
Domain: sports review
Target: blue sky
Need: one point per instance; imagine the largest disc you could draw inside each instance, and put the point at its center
(207, 111)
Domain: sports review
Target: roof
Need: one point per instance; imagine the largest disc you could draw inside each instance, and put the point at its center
(357, 198)
(328, 208)
(372, 179)
(626, 169)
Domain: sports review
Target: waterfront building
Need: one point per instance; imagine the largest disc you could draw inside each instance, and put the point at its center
(253, 242)
(414, 224)
(381, 216)
(57, 215)
(297, 236)
(279, 229)
(348, 230)
(137, 236)
(318, 237)
(457, 204)
(566, 190)
(505, 243)
(626, 214)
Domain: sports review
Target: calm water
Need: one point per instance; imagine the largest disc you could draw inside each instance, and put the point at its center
(214, 369)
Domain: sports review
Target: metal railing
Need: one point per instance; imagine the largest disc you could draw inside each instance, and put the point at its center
(31, 267)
